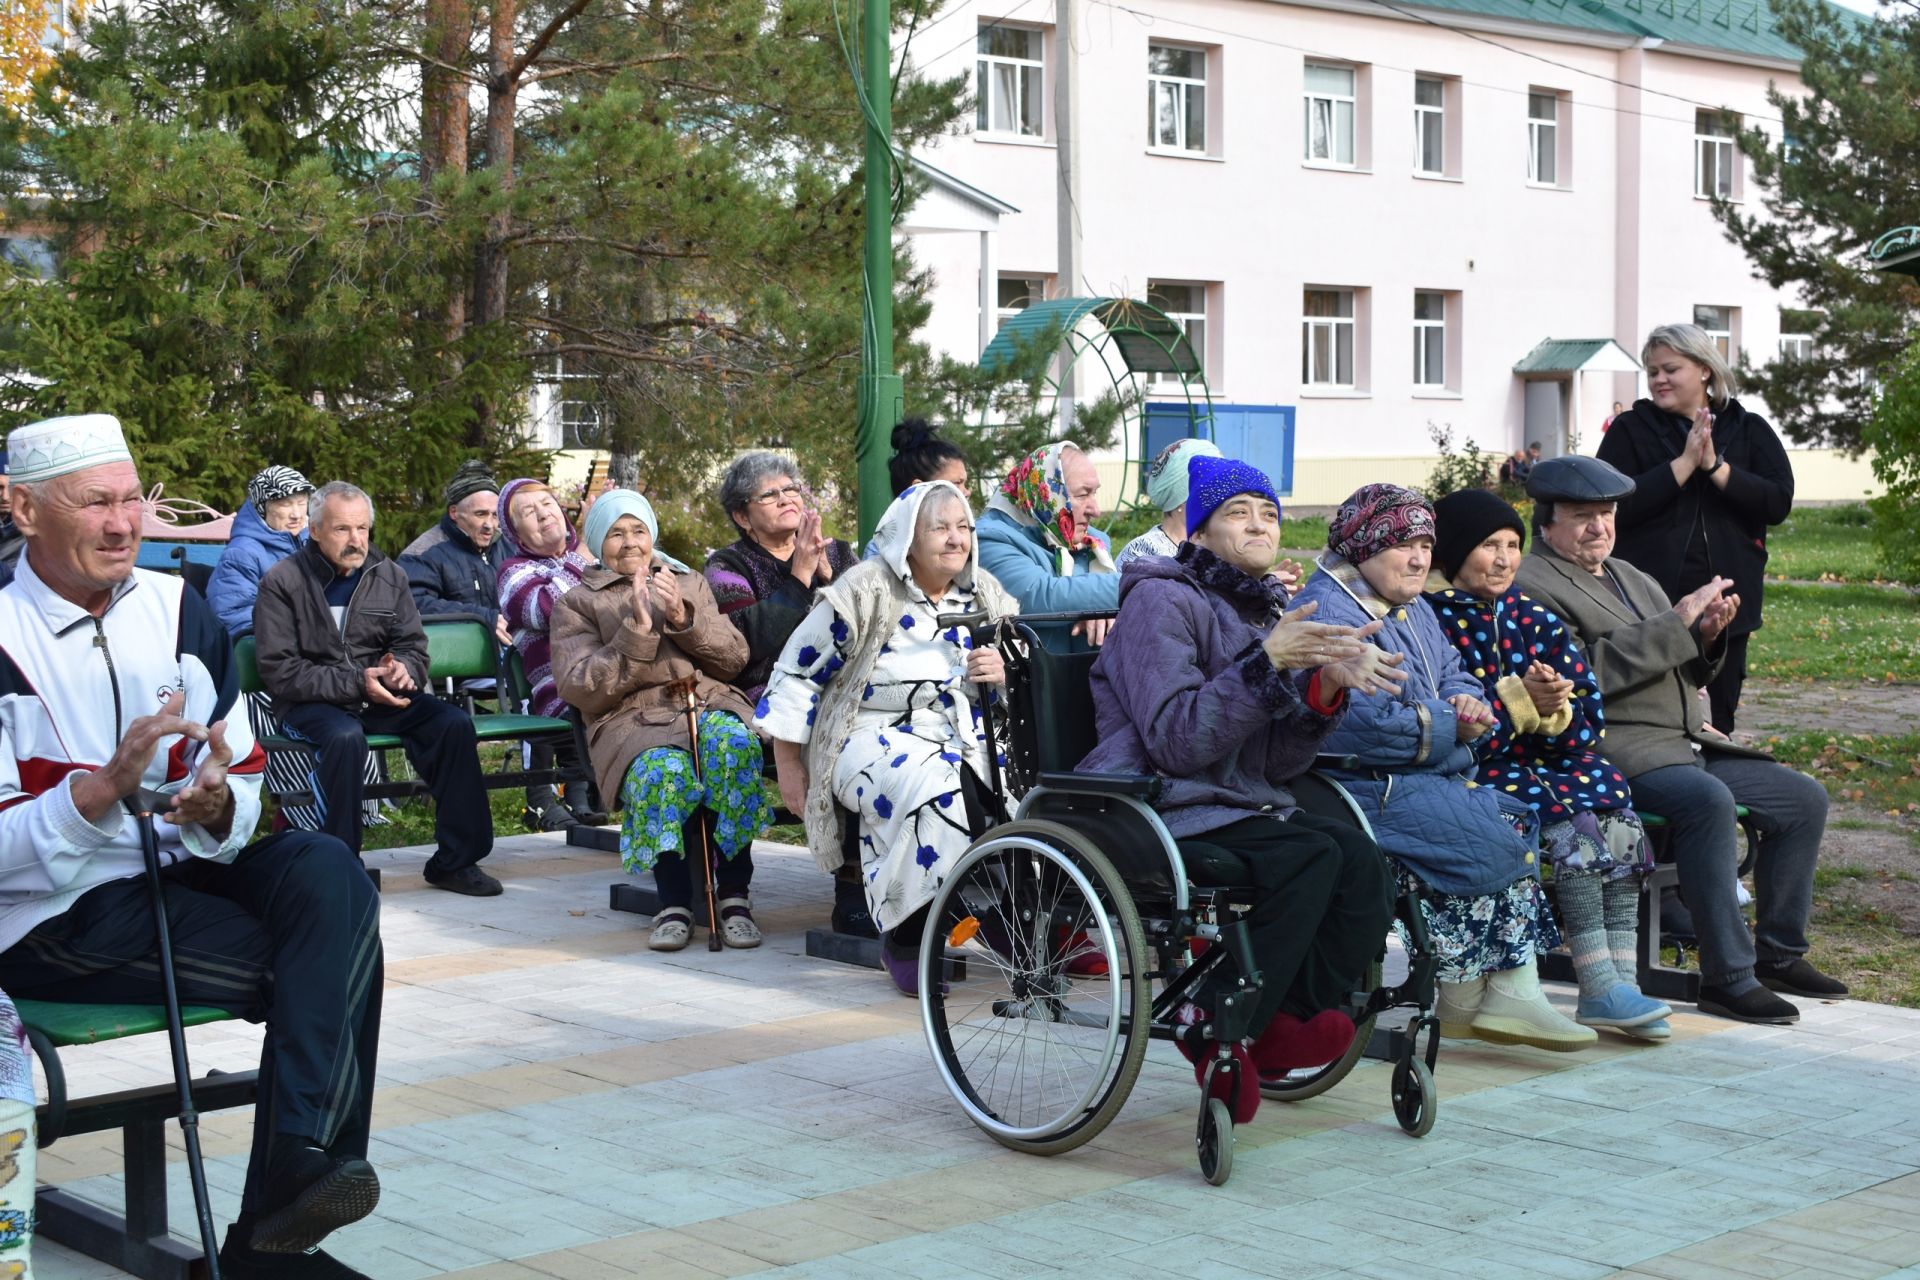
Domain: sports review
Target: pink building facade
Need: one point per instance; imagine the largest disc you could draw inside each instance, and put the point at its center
(1375, 213)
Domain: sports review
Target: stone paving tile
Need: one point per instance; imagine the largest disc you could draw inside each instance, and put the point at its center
(556, 1103)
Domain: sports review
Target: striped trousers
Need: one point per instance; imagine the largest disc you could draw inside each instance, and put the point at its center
(288, 933)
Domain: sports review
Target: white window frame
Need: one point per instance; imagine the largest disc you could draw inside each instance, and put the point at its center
(1036, 292)
(1312, 374)
(1716, 152)
(1428, 116)
(1726, 338)
(1192, 323)
(1428, 373)
(1189, 91)
(1796, 346)
(987, 83)
(1543, 138)
(1328, 103)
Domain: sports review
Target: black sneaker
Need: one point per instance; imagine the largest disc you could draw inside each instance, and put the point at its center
(319, 1195)
(552, 817)
(471, 881)
(240, 1261)
(850, 914)
(1797, 977)
(1758, 1005)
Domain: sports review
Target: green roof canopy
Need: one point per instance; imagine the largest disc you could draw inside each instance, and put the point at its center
(1570, 355)
(1148, 342)
(1897, 251)
(1736, 26)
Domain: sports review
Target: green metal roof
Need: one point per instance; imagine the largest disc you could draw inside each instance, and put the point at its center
(1735, 26)
(1148, 342)
(1898, 251)
(1561, 355)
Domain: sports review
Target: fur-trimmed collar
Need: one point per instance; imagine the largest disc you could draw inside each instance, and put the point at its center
(1211, 573)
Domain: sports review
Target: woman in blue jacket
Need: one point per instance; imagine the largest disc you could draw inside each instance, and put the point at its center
(1407, 760)
(266, 531)
(1038, 541)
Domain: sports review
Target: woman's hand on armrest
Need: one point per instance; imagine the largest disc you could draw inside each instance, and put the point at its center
(790, 767)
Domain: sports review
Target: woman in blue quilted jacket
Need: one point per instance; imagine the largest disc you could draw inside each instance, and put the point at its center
(1468, 851)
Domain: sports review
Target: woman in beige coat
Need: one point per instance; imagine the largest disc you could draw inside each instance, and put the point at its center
(627, 643)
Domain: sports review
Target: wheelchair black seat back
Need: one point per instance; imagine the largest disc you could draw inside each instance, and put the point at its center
(1077, 924)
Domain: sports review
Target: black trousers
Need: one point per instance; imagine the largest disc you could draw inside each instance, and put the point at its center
(1323, 901)
(288, 933)
(673, 872)
(439, 740)
(1723, 694)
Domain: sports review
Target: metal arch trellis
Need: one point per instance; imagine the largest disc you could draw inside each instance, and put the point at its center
(1133, 341)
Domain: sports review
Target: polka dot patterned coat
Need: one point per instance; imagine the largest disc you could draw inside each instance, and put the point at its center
(1558, 775)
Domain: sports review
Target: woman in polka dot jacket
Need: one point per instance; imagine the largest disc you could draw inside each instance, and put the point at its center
(1545, 749)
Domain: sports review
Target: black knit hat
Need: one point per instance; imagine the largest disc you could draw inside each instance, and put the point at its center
(1466, 518)
(474, 476)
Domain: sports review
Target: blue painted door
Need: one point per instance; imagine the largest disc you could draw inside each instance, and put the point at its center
(1260, 434)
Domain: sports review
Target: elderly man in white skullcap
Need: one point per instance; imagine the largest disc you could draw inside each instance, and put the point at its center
(97, 705)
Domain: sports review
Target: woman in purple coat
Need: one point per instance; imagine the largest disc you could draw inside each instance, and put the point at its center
(1205, 682)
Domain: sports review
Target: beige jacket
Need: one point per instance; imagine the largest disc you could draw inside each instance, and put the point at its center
(624, 680)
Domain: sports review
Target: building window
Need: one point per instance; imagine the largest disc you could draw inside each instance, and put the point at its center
(1176, 98)
(1713, 158)
(28, 256)
(1186, 306)
(1016, 294)
(1796, 333)
(1429, 338)
(1429, 125)
(1720, 324)
(1010, 75)
(1543, 138)
(1327, 338)
(1331, 108)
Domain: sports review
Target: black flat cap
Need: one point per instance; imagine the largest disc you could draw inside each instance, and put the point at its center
(1574, 478)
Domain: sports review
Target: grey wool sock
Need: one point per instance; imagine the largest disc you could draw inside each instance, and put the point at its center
(1622, 896)
(1583, 918)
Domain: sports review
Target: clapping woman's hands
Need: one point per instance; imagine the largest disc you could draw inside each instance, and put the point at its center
(1295, 644)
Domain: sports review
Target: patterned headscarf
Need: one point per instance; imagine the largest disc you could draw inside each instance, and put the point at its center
(1378, 517)
(1035, 495)
(273, 484)
(513, 489)
(1167, 473)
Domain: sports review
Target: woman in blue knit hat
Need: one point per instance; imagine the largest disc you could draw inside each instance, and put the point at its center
(1208, 683)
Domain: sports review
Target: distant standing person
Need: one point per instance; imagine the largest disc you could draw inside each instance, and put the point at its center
(1709, 479)
(1607, 425)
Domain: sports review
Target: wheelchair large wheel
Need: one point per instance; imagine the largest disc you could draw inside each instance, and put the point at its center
(1311, 1082)
(1042, 1040)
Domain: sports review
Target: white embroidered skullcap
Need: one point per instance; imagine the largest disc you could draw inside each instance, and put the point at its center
(58, 446)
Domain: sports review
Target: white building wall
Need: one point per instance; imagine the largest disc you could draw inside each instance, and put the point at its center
(1619, 245)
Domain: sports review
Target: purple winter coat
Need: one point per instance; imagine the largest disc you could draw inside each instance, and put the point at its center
(1182, 689)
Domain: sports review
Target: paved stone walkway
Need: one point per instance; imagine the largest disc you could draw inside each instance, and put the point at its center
(557, 1102)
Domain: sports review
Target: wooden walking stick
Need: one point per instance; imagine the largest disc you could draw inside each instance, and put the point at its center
(706, 852)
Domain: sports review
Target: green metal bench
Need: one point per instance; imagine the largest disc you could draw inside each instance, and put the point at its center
(1657, 978)
(456, 651)
(136, 1240)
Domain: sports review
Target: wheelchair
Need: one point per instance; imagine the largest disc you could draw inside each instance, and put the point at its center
(1063, 939)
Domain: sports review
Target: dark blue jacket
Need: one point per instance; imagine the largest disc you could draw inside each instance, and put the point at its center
(252, 549)
(452, 578)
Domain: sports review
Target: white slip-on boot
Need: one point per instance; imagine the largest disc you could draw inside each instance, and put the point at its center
(1516, 1011)
(1456, 1006)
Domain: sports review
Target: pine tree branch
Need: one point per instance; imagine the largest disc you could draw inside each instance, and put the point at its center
(545, 38)
(599, 68)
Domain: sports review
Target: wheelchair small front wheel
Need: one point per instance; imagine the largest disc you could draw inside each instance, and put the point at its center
(1214, 1138)
(1414, 1103)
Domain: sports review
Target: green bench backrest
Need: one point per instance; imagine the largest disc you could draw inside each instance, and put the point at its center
(455, 651)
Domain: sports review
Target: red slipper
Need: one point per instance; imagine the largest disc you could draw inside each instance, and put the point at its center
(1288, 1044)
(1244, 1098)
(1086, 959)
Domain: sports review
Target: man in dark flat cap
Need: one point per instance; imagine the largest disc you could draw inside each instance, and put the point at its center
(1652, 660)
(453, 566)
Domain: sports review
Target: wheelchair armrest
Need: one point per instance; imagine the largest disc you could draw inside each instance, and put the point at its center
(1141, 786)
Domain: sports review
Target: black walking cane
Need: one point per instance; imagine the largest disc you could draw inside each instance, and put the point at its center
(981, 626)
(706, 852)
(142, 805)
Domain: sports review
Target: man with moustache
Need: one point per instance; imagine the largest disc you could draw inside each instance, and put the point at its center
(342, 651)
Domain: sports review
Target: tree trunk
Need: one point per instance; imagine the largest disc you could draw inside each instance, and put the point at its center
(490, 263)
(444, 116)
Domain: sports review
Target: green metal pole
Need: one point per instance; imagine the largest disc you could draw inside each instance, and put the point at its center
(881, 394)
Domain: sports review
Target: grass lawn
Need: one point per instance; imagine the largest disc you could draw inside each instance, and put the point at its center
(1838, 633)
(1826, 544)
(1880, 771)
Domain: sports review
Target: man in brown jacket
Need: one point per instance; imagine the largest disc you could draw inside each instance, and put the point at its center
(341, 649)
(1652, 659)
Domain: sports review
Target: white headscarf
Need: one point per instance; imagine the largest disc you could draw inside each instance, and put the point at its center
(894, 538)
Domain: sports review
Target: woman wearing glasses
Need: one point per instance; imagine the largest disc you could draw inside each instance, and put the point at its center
(764, 583)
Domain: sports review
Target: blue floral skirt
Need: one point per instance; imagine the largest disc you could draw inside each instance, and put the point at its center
(661, 792)
(1474, 935)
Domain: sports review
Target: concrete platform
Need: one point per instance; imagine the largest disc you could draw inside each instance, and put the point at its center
(557, 1102)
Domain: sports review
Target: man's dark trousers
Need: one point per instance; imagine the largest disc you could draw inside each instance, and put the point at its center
(289, 932)
(439, 740)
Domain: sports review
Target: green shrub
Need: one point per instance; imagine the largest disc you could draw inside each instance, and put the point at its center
(1893, 433)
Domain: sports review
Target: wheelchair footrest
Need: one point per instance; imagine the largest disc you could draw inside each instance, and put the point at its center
(864, 953)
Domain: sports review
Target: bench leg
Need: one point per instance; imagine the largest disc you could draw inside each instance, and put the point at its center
(138, 1242)
(1661, 981)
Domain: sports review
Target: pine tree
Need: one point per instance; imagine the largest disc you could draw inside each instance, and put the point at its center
(1843, 172)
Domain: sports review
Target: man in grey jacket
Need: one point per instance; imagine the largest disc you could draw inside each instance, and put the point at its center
(343, 653)
(1652, 659)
